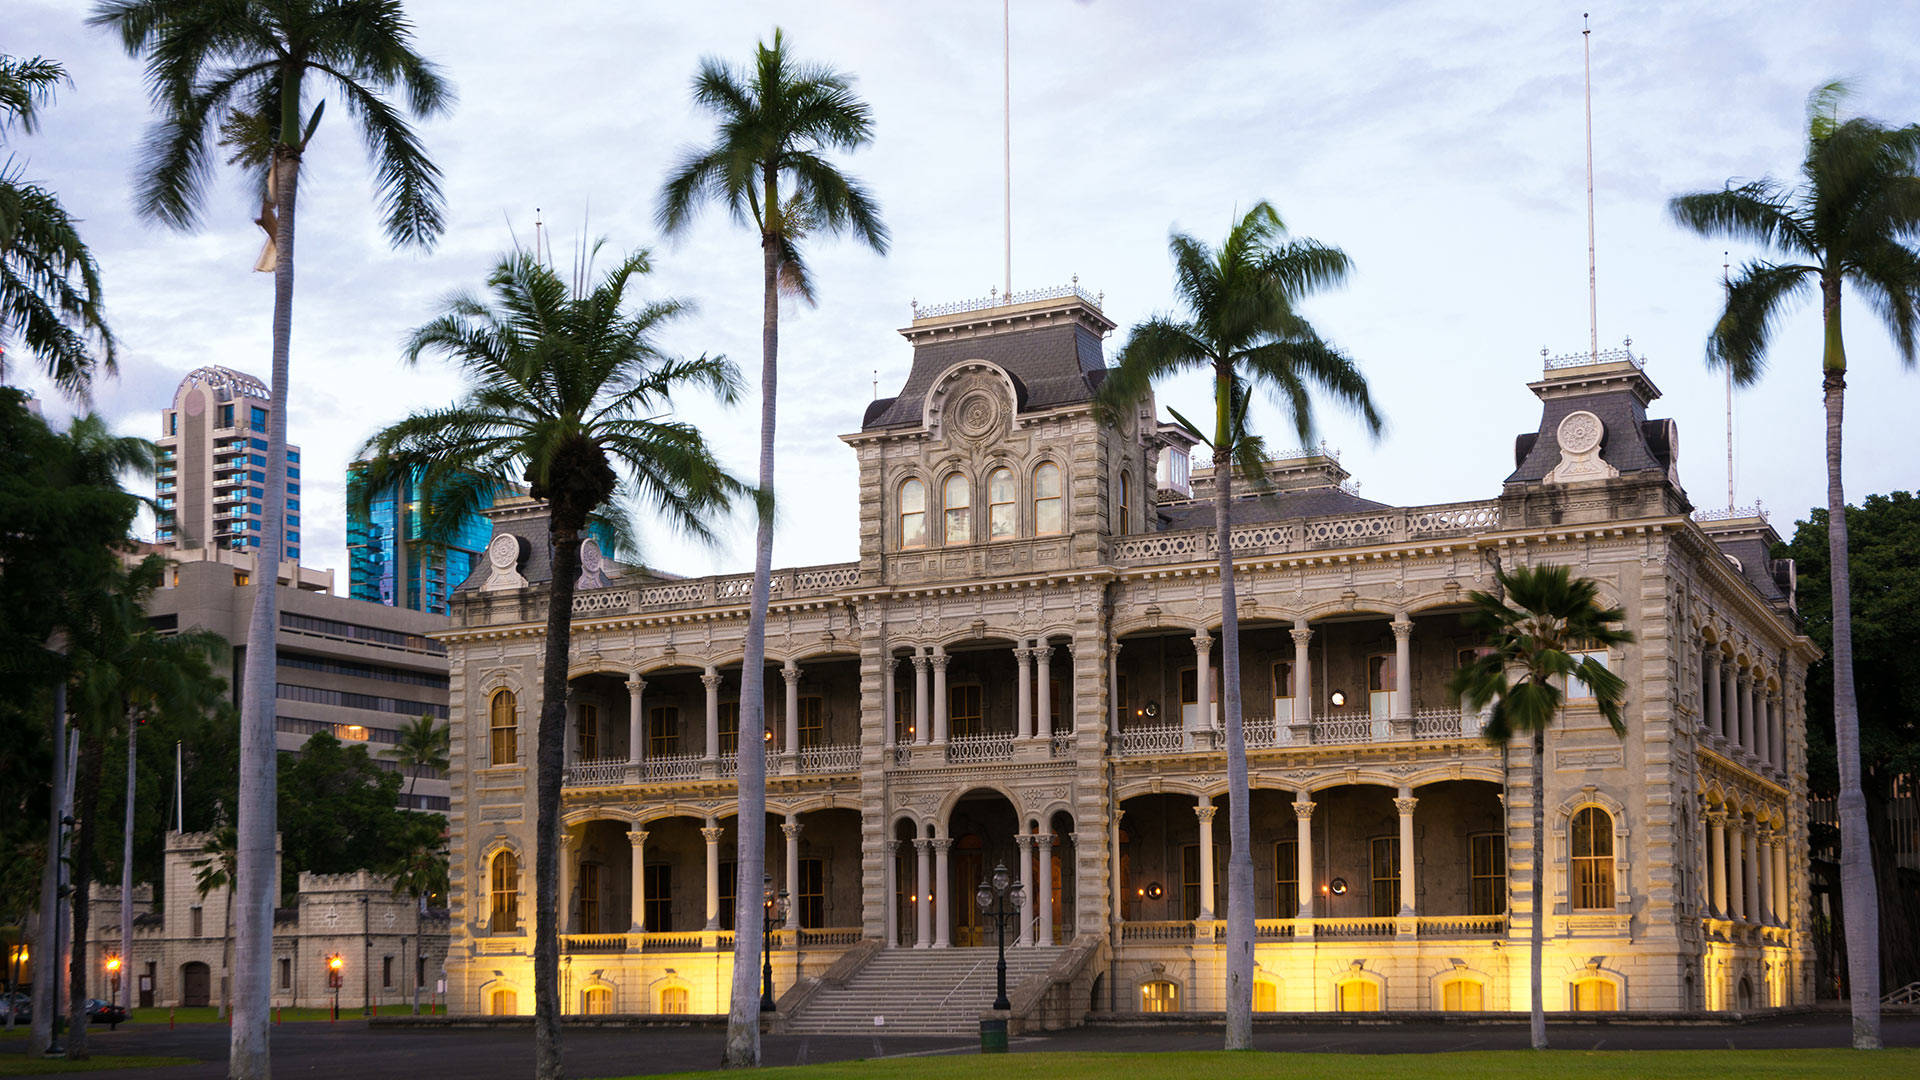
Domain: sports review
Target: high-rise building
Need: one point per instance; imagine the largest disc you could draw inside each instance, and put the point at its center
(212, 476)
(388, 560)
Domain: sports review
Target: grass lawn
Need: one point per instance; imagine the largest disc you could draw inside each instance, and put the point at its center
(21, 1065)
(1480, 1065)
(210, 1014)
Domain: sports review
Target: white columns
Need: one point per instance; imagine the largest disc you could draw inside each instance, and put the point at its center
(1777, 732)
(1402, 669)
(636, 721)
(922, 723)
(1744, 696)
(573, 731)
(942, 892)
(1043, 685)
(1023, 843)
(1730, 703)
(1044, 887)
(711, 834)
(711, 680)
(1114, 704)
(1203, 682)
(1749, 883)
(1205, 812)
(568, 851)
(792, 831)
(1303, 817)
(637, 840)
(1782, 899)
(1764, 842)
(893, 894)
(791, 673)
(922, 893)
(1302, 674)
(1710, 685)
(1405, 804)
(939, 661)
(1717, 851)
(889, 721)
(1023, 704)
(1762, 744)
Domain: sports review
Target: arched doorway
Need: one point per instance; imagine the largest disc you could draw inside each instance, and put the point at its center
(981, 826)
(196, 984)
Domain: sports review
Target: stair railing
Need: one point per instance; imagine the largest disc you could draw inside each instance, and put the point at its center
(962, 982)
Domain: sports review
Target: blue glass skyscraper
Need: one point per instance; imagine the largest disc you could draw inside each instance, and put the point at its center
(388, 560)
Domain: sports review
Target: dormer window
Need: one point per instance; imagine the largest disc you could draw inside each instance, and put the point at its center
(913, 514)
(1002, 500)
(1175, 471)
(1046, 499)
(957, 498)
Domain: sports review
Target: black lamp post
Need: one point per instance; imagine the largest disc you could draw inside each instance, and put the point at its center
(1000, 898)
(773, 917)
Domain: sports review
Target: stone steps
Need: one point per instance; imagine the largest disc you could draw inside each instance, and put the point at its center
(919, 992)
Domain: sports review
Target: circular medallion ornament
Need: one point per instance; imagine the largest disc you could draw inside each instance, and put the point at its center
(590, 560)
(1580, 433)
(977, 415)
(504, 551)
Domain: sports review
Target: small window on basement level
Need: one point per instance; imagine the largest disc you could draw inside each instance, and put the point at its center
(673, 999)
(1159, 996)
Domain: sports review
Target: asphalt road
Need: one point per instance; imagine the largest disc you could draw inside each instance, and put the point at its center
(353, 1052)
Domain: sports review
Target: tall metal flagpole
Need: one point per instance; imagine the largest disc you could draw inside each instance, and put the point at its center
(1726, 281)
(1593, 284)
(1006, 128)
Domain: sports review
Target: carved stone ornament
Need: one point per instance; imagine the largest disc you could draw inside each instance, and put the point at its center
(1579, 436)
(593, 566)
(504, 554)
(977, 416)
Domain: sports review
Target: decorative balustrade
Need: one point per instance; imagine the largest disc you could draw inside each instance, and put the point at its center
(997, 746)
(1604, 356)
(1181, 930)
(674, 767)
(829, 935)
(998, 299)
(595, 943)
(1158, 739)
(1449, 723)
(1354, 928)
(1458, 926)
(599, 773)
(1306, 534)
(1336, 729)
(736, 589)
(1733, 513)
(1060, 745)
(902, 755)
(830, 759)
(730, 763)
(1262, 733)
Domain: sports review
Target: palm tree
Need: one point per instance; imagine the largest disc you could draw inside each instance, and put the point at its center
(1853, 221)
(567, 389)
(1242, 325)
(215, 870)
(424, 747)
(421, 872)
(1535, 623)
(768, 166)
(213, 65)
(49, 283)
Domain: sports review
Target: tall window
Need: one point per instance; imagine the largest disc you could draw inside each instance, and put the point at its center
(1286, 879)
(1380, 686)
(386, 972)
(813, 724)
(1159, 996)
(1266, 995)
(813, 893)
(729, 891)
(913, 514)
(963, 709)
(1126, 503)
(589, 732)
(1190, 883)
(1386, 876)
(1282, 690)
(659, 905)
(1592, 843)
(902, 710)
(956, 499)
(286, 973)
(1487, 861)
(663, 731)
(1002, 513)
(505, 728)
(505, 896)
(1578, 690)
(589, 898)
(729, 728)
(1046, 499)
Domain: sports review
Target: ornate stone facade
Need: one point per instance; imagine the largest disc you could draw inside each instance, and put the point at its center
(1021, 669)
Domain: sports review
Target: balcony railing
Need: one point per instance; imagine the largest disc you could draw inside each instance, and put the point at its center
(1427, 926)
(601, 773)
(997, 746)
(671, 767)
(1327, 729)
(702, 940)
(707, 592)
(830, 759)
(1310, 534)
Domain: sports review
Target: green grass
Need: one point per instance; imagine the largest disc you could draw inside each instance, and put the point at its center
(210, 1014)
(21, 1065)
(1479, 1065)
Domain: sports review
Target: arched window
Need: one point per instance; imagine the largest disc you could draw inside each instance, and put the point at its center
(504, 1002)
(1462, 995)
(1593, 995)
(1159, 996)
(956, 497)
(1046, 499)
(1358, 995)
(1266, 995)
(913, 514)
(504, 722)
(505, 894)
(1002, 523)
(596, 1001)
(673, 999)
(1592, 869)
(1123, 524)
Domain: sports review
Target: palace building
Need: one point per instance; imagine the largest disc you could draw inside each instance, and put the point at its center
(1022, 669)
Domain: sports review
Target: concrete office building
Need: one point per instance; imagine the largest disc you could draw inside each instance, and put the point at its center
(210, 485)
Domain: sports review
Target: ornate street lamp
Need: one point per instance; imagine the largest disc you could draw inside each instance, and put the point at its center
(773, 917)
(1000, 899)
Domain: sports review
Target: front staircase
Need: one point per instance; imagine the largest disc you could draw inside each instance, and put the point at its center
(917, 992)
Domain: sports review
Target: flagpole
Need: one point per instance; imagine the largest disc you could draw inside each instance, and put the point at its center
(1006, 129)
(1593, 285)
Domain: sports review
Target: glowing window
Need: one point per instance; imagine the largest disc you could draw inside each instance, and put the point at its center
(505, 728)
(1266, 996)
(1046, 499)
(673, 999)
(1358, 995)
(596, 1001)
(1592, 845)
(504, 1003)
(1001, 499)
(913, 514)
(1462, 995)
(1593, 995)
(1159, 997)
(1488, 865)
(956, 498)
(505, 894)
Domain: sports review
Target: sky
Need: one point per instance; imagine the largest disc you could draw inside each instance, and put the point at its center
(1441, 145)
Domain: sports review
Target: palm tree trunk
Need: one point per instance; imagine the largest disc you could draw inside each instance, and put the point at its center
(255, 878)
(1239, 830)
(86, 805)
(743, 1010)
(1857, 891)
(46, 979)
(1538, 795)
(126, 868)
(550, 742)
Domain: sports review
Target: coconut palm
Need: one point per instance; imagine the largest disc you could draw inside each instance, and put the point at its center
(49, 283)
(420, 872)
(1852, 221)
(567, 391)
(216, 870)
(1534, 626)
(768, 167)
(214, 66)
(423, 747)
(1242, 326)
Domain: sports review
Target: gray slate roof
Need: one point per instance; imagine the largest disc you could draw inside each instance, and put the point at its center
(1051, 366)
(1274, 506)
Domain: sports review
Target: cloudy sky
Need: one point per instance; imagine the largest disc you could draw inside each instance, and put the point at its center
(1440, 144)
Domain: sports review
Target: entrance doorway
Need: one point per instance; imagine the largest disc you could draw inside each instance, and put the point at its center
(982, 824)
(196, 984)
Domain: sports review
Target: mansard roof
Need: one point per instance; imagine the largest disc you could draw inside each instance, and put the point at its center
(1268, 506)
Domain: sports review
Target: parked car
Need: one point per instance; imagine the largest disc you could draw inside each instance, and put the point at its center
(102, 1012)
